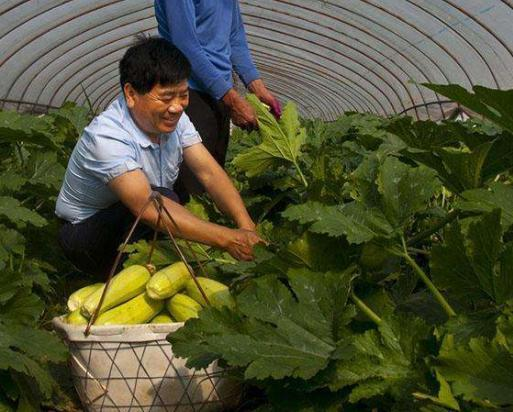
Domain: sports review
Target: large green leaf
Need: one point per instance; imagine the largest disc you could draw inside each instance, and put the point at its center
(11, 181)
(480, 371)
(465, 168)
(78, 116)
(23, 307)
(281, 142)
(424, 135)
(278, 332)
(11, 242)
(44, 169)
(405, 189)
(16, 128)
(475, 267)
(495, 105)
(10, 283)
(13, 210)
(25, 350)
(351, 220)
(387, 360)
(497, 196)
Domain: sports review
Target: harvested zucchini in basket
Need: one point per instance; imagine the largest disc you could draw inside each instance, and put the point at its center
(168, 281)
(125, 285)
(183, 307)
(137, 310)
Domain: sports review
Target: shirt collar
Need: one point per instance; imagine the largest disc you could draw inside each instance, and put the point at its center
(127, 120)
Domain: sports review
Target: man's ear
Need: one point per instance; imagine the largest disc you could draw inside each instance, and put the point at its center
(130, 95)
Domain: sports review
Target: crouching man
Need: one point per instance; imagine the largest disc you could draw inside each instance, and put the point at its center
(137, 144)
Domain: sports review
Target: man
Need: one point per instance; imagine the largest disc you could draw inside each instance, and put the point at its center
(138, 143)
(211, 35)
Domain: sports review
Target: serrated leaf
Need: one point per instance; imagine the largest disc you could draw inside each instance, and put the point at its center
(78, 116)
(351, 220)
(23, 307)
(15, 128)
(405, 189)
(423, 135)
(480, 371)
(11, 181)
(468, 267)
(44, 169)
(11, 242)
(493, 104)
(10, 283)
(277, 333)
(12, 209)
(281, 142)
(382, 361)
(465, 168)
(497, 196)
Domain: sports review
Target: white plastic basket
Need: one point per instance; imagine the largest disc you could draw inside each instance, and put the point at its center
(132, 368)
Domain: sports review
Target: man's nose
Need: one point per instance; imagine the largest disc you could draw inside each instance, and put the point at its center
(175, 107)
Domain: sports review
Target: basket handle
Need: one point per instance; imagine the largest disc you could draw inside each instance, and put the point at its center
(157, 200)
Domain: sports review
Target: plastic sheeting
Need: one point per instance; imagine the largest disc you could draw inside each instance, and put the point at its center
(327, 56)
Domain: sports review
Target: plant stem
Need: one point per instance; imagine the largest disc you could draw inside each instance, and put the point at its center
(423, 397)
(365, 309)
(428, 232)
(430, 285)
(301, 174)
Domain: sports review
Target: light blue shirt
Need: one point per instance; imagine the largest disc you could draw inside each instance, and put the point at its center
(111, 145)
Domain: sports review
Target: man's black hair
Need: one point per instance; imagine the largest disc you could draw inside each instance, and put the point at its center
(150, 61)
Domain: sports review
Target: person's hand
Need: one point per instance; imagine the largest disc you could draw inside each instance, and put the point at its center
(241, 112)
(265, 96)
(239, 243)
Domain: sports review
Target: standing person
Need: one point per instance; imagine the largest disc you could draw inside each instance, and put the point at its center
(210, 33)
(137, 144)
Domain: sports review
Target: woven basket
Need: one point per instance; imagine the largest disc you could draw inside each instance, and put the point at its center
(132, 368)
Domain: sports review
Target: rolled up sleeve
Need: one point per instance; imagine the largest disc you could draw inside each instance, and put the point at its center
(108, 157)
(187, 133)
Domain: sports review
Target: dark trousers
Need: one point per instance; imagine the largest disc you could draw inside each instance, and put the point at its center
(212, 121)
(92, 245)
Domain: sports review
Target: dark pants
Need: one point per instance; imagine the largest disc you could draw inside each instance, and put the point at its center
(92, 245)
(212, 121)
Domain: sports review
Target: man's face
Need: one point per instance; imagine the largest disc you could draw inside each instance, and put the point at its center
(159, 110)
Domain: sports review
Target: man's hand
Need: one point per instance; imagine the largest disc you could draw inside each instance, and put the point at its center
(239, 243)
(241, 112)
(265, 96)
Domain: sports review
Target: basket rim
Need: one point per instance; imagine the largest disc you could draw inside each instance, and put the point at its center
(114, 333)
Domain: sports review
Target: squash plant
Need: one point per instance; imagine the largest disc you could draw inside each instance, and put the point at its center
(34, 153)
(388, 281)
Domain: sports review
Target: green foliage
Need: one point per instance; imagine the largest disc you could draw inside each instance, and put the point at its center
(35, 152)
(281, 141)
(277, 332)
(480, 371)
(478, 265)
(391, 201)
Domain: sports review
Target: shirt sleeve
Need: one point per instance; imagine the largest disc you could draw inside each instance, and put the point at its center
(187, 133)
(182, 32)
(107, 157)
(241, 57)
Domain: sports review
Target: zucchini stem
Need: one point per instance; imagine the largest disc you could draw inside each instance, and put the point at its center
(365, 309)
(430, 285)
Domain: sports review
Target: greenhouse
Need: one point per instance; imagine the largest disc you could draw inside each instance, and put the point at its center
(275, 205)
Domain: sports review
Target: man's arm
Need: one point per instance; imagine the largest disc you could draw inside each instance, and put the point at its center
(244, 66)
(133, 189)
(218, 185)
(180, 17)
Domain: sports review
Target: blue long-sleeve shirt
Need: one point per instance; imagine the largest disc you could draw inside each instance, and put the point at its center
(211, 35)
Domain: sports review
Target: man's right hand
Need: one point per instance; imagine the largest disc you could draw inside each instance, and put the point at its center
(241, 112)
(239, 243)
